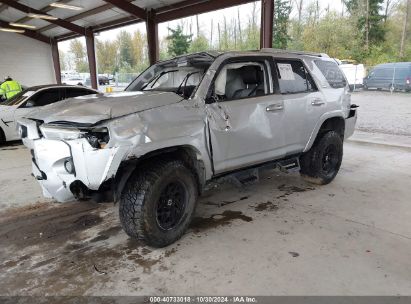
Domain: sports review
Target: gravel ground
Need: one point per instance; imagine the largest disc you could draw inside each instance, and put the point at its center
(383, 112)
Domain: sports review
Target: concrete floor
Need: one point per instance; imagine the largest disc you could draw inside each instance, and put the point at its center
(281, 236)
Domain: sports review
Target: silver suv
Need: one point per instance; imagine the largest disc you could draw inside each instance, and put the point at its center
(186, 122)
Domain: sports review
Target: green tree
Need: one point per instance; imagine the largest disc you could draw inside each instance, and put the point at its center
(106, 52)
(199, 44)
(140, 50)
(125, 44)
(63, 60)
(369, 20)
(78, 52)
(250, 36)
(282, 10)
(333, 35)
(178, 42)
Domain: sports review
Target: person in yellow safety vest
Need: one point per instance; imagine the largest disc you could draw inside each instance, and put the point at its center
(9, 88)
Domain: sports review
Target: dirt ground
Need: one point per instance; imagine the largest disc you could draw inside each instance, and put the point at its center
(280, 236)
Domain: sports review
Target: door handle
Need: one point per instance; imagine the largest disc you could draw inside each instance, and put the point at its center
(275, 107)
(317, 102)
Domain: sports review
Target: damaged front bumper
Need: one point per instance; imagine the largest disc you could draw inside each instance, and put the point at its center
(59, 164)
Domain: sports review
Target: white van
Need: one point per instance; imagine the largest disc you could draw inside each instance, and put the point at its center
(355, 73)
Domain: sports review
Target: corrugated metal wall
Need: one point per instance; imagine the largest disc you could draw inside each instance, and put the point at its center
(26, 60)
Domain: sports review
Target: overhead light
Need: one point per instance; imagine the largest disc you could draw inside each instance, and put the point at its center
(41, 16)
(11, 30)
(67, 6)
(28, 26)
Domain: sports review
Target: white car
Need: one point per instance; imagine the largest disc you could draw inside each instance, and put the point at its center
(75, 81)
(29, 99)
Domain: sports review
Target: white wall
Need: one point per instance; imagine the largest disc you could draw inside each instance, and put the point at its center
(26, 60)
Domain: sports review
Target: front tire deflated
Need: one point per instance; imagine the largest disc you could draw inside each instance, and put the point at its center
(321, 164)
(158, 202)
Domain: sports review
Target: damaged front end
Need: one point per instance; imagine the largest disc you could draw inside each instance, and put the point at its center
(72, 161)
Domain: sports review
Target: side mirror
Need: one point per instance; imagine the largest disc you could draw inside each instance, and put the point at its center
(30, 104)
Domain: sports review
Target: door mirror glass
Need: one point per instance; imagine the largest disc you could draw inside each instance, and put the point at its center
(30, 104)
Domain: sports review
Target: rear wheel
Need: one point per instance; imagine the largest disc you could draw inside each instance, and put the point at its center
(321, 164)
(158, 202)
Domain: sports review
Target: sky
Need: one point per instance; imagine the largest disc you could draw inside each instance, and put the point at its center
(204, 20)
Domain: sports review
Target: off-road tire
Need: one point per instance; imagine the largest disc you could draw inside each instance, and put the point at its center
(2, 136)
(142, 196)
(314, 166)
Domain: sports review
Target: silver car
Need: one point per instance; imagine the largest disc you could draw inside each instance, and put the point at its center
(186, 122)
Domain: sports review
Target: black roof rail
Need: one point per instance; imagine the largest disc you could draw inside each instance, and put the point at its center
(269, 50)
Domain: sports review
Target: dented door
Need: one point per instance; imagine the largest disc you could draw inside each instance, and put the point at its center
(246, 132)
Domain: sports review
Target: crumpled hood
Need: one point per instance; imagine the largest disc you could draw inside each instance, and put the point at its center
(90, 109)
(4, 109)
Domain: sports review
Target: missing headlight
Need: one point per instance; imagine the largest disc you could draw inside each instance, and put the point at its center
(98, 138)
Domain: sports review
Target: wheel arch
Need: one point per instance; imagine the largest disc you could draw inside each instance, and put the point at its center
(330, 122)
(2, 136)
(190, 155)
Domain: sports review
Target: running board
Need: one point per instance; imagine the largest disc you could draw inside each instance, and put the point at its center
(289, 165)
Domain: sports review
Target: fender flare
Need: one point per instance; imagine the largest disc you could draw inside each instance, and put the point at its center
(127, 167)
(320, 122)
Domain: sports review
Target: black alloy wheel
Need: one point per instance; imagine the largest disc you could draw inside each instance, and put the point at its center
(171, 205)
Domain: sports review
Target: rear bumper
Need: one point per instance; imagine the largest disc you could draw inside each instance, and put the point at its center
(350, 123)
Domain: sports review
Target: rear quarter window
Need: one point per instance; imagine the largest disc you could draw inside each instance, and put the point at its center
(332, 73)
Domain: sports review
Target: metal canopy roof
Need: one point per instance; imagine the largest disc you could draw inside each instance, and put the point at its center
(99, 15)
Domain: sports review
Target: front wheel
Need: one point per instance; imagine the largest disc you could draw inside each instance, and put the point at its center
(158, 202)
(321, 164)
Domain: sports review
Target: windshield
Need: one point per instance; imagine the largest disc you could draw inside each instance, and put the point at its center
(181, 75)
(18, 98)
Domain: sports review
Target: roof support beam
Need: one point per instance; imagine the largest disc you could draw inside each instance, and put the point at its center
(43, 10)
(56, 60)
(91, 55)
(179, 5)
(267, 17)
(129, 8)
(196, 8)
(82, 15)
(102, 27)
(60, 22)
(28, 33)
(152, 37)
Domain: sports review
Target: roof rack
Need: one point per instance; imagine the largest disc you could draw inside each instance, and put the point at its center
(269, 50)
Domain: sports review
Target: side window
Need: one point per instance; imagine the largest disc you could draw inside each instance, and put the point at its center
(293, 77)
(46, 97)
(75, 92)
(332, 73)
(242, 80)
